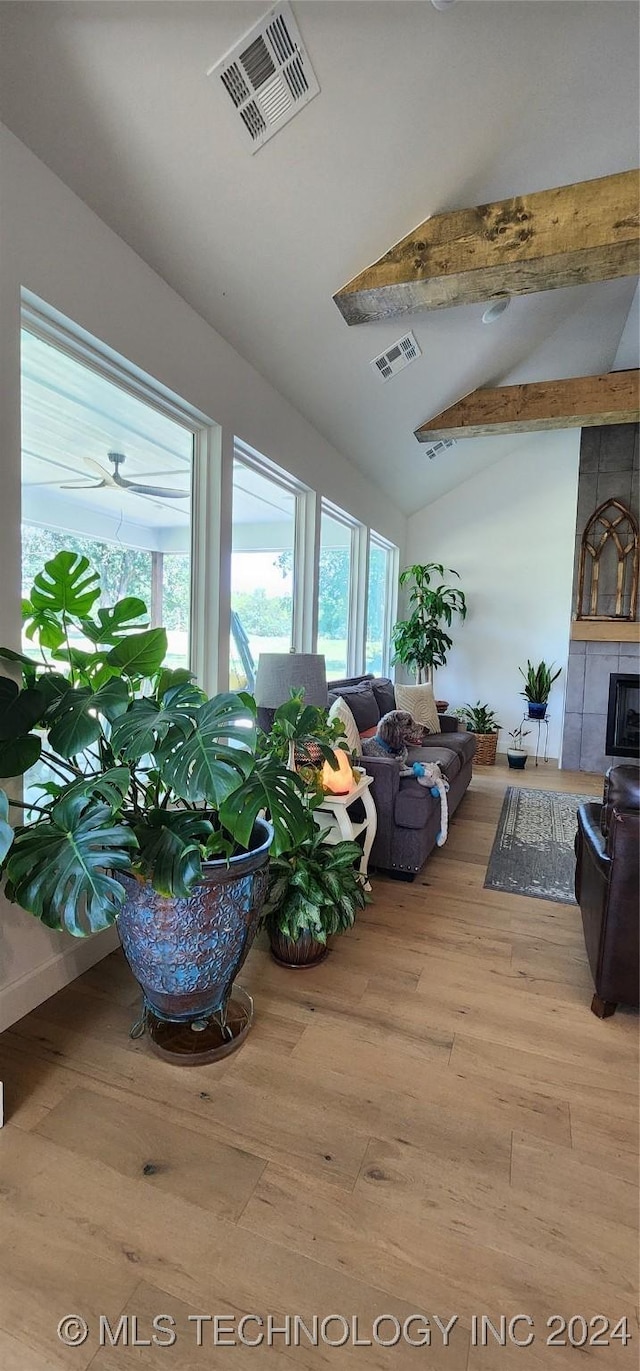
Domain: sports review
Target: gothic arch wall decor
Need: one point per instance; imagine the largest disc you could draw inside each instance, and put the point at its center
(608, 571)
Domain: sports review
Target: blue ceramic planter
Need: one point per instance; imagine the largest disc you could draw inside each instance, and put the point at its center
(186, 953)
(537, 711)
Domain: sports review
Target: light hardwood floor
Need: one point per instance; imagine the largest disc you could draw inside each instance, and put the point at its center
(432, 1121)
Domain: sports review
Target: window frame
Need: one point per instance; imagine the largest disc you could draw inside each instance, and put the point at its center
(390, 596)
(356, 604)
(304, 520)
(204, 616)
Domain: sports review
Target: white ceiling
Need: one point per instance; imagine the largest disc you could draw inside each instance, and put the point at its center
(419, 111)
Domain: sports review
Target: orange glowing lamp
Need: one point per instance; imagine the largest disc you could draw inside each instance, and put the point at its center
(338, 782)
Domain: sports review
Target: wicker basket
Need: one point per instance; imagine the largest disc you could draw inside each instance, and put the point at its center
(486, 747)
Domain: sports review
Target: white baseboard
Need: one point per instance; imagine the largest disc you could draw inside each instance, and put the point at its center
(23, 995)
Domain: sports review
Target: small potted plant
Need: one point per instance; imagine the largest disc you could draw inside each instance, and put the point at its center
(157, 807)
(516, 755)
(538, 682)
(315, 890)
(481, 720)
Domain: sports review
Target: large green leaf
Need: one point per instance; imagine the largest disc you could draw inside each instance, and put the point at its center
(67, 585)
(74, 717)
(43, 622)
(110, 786)
(136, 733)
(6, 831)
(271, 787)
(169, 842)
(17, 755)
(56, 870)
(76, 724)
(112, 699)
(210, 763)
(29, 664)
(110, 625)
(139, 654)
(19, 709)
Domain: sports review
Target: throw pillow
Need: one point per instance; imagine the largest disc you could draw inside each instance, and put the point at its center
(419, 702)
(340, 710)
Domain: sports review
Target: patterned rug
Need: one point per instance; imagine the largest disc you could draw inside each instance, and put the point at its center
(532, 852)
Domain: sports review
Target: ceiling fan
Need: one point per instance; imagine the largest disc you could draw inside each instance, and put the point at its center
(114, 481)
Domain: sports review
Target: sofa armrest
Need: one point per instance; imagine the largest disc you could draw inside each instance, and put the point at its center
(449, 723)
(589, 831)
(386, 780)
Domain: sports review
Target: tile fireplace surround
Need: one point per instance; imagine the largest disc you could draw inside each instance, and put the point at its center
(609, 468)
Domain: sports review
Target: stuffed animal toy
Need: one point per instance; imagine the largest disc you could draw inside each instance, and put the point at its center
(430, 775)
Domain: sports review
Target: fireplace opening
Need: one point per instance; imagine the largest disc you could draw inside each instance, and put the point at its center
(623, 716)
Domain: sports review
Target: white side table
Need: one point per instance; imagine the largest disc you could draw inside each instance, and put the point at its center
(334, 817)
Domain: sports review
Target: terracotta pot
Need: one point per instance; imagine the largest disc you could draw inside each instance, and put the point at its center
(186, 953)
(296, 953)
(442, 706)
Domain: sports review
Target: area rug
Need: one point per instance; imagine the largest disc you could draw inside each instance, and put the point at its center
(532, 852)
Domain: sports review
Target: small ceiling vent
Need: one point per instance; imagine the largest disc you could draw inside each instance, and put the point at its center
(403, 352)
(439, 446)
(268, 75)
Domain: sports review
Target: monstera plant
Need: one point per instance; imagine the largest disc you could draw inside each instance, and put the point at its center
(146, 792)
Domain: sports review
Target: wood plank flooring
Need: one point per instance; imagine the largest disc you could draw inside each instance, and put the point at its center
(431, 1122)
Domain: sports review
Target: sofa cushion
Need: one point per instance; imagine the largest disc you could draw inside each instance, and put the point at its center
(342, 711)
(464, 744)
(384, 693)
(362, 703)
(449, 761)
(419, 702)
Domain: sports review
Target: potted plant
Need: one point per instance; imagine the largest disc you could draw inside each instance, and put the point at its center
(158, 807)
(315, 890)
(420, 641)
(538, 683)
(481, 720)
(516, 755)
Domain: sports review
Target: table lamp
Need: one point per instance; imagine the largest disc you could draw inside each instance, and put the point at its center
(281, 672)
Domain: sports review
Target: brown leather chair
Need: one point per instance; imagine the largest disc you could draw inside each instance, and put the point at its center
(607, 888)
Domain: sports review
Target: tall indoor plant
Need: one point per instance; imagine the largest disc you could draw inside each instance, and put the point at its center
(157, 809)
(420, 641)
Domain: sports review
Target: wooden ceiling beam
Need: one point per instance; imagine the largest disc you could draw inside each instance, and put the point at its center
(580, 402)
(567, 236)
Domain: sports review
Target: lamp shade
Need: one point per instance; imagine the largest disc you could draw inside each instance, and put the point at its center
(281, 672)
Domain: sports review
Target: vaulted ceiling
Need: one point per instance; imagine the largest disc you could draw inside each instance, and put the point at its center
(419, 111)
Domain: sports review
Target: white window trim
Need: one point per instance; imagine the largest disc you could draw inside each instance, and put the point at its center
(390, 595)
(358, 570)
(47, 324)
(304, 565)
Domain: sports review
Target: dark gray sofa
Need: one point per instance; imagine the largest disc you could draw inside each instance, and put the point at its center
(408, 815)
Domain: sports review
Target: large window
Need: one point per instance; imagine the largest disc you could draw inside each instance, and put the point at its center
(380, 604)
(266, 520)
(336, 570)
(106, 474)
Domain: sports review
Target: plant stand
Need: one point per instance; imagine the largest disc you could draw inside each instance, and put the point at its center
(542, 743)
(333, 816)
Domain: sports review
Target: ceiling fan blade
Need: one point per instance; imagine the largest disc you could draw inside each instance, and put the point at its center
(159, 491)
(95, 466)
(77, 485)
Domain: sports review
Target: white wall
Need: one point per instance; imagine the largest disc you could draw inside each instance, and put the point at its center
(509, 532)
(53, 246)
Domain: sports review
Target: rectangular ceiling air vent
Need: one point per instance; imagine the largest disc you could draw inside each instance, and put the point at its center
(439, 446)
(267, 75)
(403, 352)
